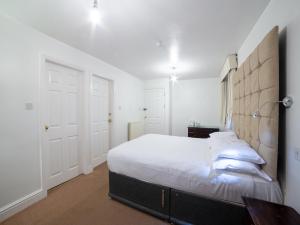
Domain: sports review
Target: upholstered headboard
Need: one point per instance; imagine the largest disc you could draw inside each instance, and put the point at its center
(256, 88)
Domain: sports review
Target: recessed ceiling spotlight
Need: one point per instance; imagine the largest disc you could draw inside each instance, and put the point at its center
(94, 13)
(158, 44)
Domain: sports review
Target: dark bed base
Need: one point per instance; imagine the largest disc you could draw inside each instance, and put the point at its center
(174, 206)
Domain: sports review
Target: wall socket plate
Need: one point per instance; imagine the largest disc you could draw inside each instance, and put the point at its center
(297, 154)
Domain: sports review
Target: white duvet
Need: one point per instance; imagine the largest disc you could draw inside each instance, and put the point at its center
(186, 164)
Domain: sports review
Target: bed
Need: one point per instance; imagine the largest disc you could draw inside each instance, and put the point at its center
(171, 177)
(185, 164)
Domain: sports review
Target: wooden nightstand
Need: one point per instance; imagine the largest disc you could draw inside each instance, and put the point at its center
(201, 132)
(267, 213)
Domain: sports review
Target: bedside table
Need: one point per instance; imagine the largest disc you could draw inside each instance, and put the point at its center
(267, 213)
(201, 132)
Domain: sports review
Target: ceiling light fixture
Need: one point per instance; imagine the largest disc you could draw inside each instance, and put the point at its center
(94, 13)
(173, 77)
(174, 55)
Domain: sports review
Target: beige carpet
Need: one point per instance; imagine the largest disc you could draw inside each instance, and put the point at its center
(82, 201)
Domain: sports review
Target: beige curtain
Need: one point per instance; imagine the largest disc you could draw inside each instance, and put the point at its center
(223, 101)
(227, 100)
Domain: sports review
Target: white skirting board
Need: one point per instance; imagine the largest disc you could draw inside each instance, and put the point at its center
(20, 204)
(135, 129)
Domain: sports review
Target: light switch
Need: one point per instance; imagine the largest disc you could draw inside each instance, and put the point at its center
(28, 106)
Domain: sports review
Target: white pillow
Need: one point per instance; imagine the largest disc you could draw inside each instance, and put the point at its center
(240, 167)
(235, 149)
(224, 134)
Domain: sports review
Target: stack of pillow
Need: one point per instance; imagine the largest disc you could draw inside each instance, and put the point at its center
(235, 155)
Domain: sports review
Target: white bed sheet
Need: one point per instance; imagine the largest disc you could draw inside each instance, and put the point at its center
(185, 164)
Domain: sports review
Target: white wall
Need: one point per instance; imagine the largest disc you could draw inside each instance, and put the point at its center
(278, 12)
(292, 115)
(284, 13)
(162, 83)
(21, 48)
(196, 99)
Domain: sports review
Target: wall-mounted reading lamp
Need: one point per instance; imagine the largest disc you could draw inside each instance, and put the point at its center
(287, 102)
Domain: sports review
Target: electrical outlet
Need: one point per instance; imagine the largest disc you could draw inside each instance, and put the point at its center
(297, 154)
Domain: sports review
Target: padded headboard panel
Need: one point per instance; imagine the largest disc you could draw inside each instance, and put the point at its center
(256, 88)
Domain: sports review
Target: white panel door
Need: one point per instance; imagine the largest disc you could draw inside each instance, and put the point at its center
(99, 119)
(62, 123)
(155, 111)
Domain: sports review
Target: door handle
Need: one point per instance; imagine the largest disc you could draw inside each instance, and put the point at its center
(46, 127)
(163, 198)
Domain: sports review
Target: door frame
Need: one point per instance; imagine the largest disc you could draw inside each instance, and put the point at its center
(111, 109)
(44, 160)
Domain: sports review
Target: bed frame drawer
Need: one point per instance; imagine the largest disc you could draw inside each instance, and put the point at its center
(187, 208)
(151, 198)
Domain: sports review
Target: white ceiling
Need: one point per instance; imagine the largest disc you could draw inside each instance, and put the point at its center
(204, 32)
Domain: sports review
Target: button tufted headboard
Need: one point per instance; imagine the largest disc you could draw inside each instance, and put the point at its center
(256, 88)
